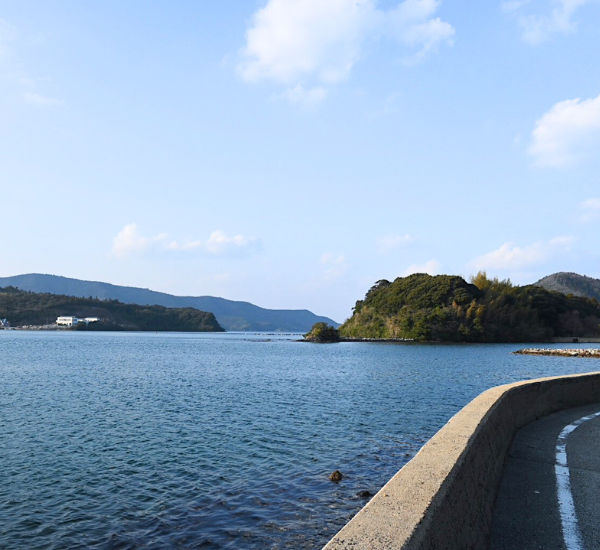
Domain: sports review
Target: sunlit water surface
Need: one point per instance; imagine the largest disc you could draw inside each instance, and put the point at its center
(137, 440)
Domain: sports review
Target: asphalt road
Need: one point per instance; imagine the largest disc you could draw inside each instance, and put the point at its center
(528, 509)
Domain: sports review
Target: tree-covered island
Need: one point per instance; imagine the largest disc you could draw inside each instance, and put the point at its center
(447, 308)
(322, 333)
(22, 308)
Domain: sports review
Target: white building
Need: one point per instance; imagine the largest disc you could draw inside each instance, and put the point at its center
(66, 321)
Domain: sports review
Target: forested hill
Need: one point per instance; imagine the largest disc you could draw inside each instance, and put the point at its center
(447, 308)
(571, 283)
(29, 308)
(231, 315)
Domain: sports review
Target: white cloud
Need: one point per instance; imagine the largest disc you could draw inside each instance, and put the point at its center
(413, 25)
(591, 210)
(432, 267)
(563, 243)
(563, 134)
(219, 244)
(511, 257)
(38, 99)
(390, 242)
(336, 266)
(308, 45)
(537, 28)
(129, 241)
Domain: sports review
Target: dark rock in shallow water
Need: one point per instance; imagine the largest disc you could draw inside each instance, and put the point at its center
(364, 494)
(336, 476)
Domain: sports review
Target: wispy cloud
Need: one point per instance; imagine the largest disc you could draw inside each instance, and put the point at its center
(393, 241)
(512, 257)
(590, 210)
(219, 244)
(310, 45)
(388, 107)
(307, 98)
(8, 33)
(26, 85)
(336, 266)
(540, 27)
(38, 99)
(413, 25)
(432, 267)
(513, 5)
(130, 242)
(564, 134)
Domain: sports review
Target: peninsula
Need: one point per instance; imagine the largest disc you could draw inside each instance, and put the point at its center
(447, 308)
(21, 308)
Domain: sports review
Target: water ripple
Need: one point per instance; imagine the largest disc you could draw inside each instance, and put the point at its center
(217, 441)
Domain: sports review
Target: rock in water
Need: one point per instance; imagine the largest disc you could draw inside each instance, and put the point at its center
(336, 476)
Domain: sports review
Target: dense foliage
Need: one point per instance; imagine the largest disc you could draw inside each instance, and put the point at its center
(447, 308)
(322, 333)
(29, 308)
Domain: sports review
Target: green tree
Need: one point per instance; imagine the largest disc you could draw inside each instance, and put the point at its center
(322, 333)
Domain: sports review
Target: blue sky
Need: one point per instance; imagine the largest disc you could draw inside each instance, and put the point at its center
(291, 153)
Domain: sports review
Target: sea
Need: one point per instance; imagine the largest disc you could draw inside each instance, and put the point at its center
(219, 440)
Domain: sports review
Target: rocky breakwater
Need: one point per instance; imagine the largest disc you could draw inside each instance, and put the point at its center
(593, 352)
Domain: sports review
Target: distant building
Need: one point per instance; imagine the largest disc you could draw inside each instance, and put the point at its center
(71, 321)
(66, 321)
(4, 323)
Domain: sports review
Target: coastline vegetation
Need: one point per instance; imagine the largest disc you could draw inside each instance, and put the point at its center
(447, 308)
(322, 333)
(23, 308)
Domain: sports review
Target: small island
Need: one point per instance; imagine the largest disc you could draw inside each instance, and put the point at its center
(322, 333)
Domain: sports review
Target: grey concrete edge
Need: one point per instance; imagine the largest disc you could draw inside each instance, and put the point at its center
(451, 484)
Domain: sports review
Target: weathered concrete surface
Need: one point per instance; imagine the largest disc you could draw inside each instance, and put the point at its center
(444, 497)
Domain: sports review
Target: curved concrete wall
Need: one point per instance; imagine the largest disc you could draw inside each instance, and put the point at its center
(443, 498)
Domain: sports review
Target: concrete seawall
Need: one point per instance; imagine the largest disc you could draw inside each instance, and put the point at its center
(444, 497)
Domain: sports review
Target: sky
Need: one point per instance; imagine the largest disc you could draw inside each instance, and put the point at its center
(291, 153)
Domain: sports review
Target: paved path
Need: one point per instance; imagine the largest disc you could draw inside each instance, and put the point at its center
(528, 514)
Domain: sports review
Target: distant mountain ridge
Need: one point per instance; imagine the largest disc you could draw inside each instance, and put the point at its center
(571, 283)
(231, 315)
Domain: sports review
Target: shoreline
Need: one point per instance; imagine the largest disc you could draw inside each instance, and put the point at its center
(558, 340)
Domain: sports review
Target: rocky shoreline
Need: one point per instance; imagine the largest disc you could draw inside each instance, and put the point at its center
(592, 352)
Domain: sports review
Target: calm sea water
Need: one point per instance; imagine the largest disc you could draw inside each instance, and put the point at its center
(136, 440)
